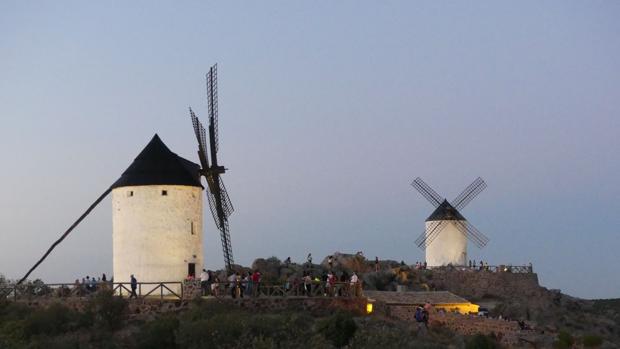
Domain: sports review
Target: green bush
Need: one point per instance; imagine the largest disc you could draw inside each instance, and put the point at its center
(106, 310)
(51, 321)
(218, 325)
(159, 333)
(591, 341)
(58, 342)
(481, 341)
(11, 333)
(565, 340)
(218, 331)
(338, 328)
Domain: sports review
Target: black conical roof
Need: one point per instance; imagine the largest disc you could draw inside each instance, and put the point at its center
(445, 212)
(156, 164)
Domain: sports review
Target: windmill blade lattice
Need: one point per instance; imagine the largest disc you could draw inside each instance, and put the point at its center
(472, 233)
(426, 191)
(212, 104)
(420, 241)
(226, 205)
(469, 193)
(201, 138)
(426, 239)
(219, 202)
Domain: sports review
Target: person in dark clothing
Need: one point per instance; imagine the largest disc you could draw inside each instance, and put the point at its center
(134, 286)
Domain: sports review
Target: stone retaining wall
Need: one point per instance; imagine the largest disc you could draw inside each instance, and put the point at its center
(477, 284)
(146, 307)
(507, 332)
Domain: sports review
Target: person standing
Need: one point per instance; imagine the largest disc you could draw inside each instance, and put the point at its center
(376, 264)
(330, 262)
(204, 282)
(215, 286)
(249, 284)
(354, 284)
(256, 277)
(421, 316)
(307, 285)
(232, 281)
(134, 286)
(331, 283)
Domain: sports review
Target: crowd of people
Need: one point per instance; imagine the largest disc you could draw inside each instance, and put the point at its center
(91, 284)
(421, 265)
(238, 284)
(249, 284)
(483, 265)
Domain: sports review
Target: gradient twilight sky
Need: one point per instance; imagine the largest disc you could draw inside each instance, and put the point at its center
(328, 110)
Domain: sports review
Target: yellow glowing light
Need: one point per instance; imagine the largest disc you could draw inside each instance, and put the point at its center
(368, 308)
(463, 308)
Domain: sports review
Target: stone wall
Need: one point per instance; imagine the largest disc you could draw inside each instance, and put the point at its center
(507, 332)
(148, 307)
(318, 305)
(476, 284)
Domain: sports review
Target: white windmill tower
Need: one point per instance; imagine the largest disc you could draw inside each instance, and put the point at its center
(157, 207)
(446, 230)
(157, 217)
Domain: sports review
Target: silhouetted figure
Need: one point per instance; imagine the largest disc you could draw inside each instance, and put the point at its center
(134, 286)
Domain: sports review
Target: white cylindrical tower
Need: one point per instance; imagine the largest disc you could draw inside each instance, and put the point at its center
(157, 218)
(449, 246)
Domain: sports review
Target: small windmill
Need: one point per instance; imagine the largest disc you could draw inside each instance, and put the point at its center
(447, 231)
(219, 202)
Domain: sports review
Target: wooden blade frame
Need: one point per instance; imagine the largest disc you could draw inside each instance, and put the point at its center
(201, 138)
(427, 192)
(469, 193)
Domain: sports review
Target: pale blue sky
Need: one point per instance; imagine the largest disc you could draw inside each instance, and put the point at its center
(328, 110)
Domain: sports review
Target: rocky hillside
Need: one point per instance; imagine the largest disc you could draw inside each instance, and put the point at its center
(512, 295)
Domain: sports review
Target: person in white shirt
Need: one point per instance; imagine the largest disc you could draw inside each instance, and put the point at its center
(204, 282)
(354, 284)
(233, 281)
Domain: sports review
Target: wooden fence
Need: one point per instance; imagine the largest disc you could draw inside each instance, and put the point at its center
(181, 290)
(516, 269)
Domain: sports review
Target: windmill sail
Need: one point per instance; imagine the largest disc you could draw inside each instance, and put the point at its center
(219, 202)
(427, 192)
(447, 213)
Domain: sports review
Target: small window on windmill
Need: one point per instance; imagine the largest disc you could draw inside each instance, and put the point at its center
(130, 193)
(164, 193)
(192, 228)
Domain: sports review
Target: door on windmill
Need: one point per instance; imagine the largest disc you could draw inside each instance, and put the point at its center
(191, 271)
